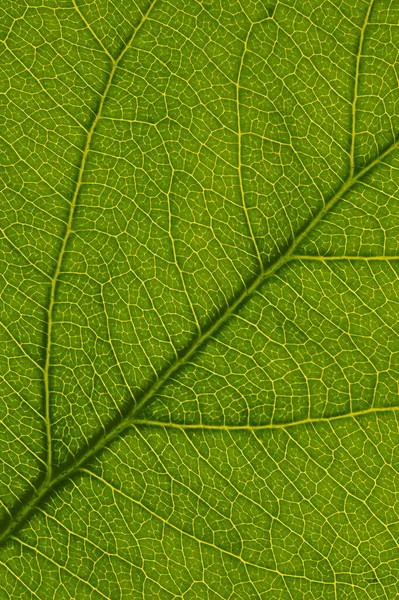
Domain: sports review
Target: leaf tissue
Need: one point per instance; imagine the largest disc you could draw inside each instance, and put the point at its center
(199, 299)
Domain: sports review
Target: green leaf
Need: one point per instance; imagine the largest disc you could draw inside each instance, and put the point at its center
(199, 300)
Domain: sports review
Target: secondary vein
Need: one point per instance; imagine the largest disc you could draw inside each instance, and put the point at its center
(55, 278)
(52, 479)
(129, 419)
(239, 159)
(356, 86)
(308, 421)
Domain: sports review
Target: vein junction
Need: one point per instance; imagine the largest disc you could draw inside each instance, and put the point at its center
(131, 418)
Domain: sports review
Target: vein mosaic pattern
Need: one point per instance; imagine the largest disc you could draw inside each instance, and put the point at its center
(199, 299)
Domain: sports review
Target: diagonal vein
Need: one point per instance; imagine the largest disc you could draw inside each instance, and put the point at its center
(129, 419)
(68, 230)
(356, 86)
(53, 478)
(93, 33)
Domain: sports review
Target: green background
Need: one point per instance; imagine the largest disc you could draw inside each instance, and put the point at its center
(199, 253)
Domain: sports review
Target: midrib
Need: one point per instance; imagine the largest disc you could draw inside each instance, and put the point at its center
(51, 479)
(129, 419)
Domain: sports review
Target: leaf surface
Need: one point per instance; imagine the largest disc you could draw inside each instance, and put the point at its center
(199, 261)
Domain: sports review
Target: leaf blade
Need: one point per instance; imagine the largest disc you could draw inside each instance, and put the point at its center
(216, 426)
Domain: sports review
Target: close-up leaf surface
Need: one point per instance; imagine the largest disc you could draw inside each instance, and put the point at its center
(199, 299)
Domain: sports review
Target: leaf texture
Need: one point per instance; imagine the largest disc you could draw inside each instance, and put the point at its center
(199, 295)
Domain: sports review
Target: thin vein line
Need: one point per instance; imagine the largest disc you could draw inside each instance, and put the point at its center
(68, 231)
(182, 532)
(20, 347)
(43, 89)
(21, 441)
(344, 333)
(239, 160)
(219, 473)
(307, 421)
(356, 87)
(128, 421)
(59, 566)
(19, 579)
(305, 257)
(5, 237)
(114, 354)
(50, 480)
(87, 24)
(175, 259)
(130, 417)
(351, 494)
(40, 179)
(73, 534)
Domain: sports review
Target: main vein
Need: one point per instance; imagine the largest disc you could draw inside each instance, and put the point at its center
(129, 419)
(52, 479)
